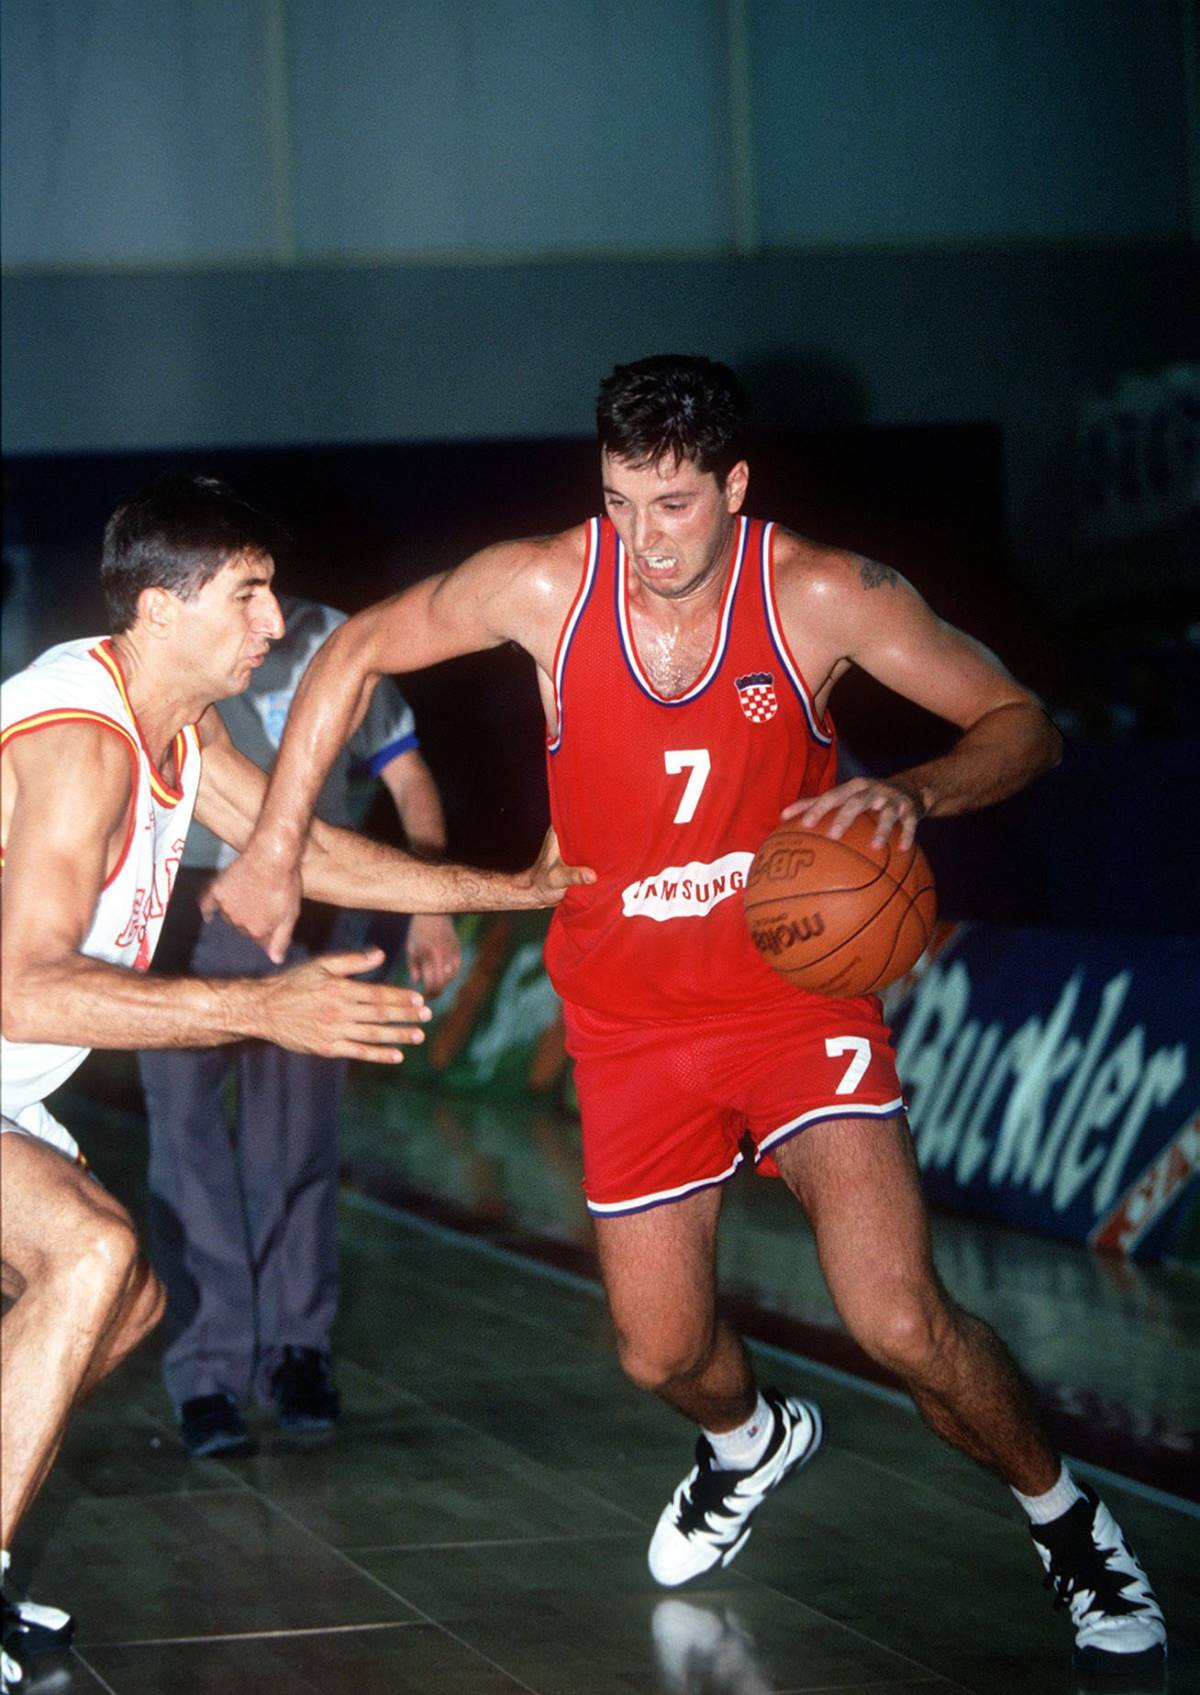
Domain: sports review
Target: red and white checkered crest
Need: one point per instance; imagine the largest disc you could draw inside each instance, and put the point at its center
(757, 697)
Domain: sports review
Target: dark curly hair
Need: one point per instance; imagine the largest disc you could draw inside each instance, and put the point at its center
(177, 534)
(674, 405)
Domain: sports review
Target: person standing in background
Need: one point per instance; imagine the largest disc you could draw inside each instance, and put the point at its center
(243, 1225)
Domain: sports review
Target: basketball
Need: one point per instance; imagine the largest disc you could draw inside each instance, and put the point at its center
(839, 917)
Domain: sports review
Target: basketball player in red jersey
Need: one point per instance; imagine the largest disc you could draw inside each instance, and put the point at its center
(686, 656)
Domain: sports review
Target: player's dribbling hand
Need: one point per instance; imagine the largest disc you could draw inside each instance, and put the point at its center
(263, 903)
(323, 1007)
(898, 806)
(549, 878)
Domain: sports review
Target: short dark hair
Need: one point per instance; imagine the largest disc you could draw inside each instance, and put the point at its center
(176, 534)
(674, 405)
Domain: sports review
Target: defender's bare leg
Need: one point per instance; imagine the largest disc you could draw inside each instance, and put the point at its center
(82, 1298)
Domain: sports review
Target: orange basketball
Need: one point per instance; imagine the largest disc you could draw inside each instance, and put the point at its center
(840, 917)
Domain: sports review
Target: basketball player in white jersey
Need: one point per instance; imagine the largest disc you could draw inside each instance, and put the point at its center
(108, 747)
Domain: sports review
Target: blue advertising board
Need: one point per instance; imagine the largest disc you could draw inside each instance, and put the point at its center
(1052, 1079)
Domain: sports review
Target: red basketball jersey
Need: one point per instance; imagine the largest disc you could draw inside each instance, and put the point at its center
(668, 799)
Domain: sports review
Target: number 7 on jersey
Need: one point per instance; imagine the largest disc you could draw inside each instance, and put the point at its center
(697, 764)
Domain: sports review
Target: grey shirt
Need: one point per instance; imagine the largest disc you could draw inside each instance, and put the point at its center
(255, 720)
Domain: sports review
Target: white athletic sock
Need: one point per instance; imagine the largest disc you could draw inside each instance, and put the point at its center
(740, 1449)
(1055, 1502)
(5, 1556)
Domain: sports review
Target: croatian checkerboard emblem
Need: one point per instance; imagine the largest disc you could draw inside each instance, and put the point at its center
(757, 697)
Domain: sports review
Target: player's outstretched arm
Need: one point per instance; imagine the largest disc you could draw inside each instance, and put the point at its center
(349, 870)
(62, 839)
(492, 598)
(866, 614)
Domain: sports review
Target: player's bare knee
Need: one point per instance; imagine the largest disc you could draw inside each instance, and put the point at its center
(907, 1331)
(105, 1260)
(658, 1362)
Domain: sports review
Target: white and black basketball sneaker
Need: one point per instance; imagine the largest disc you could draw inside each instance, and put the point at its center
(27, 1629)
(30, 1629)
(708, 1519)
(1094, 1572)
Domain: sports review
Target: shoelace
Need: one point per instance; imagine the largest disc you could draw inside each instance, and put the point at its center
(712, 1488)
(1092, 1573)
(707, 1497)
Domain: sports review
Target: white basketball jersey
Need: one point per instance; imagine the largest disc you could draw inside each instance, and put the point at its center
(81, 681)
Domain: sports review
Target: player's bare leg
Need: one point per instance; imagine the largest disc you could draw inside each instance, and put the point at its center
(859, 1184)
(860, 1187)
(660, 1274)
(659, 1271)
(81, 1298)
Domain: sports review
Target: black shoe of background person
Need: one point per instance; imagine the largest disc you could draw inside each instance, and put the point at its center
(212, 1424)
(304, 1396)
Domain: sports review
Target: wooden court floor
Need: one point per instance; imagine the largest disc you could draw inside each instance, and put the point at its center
(478, 1523)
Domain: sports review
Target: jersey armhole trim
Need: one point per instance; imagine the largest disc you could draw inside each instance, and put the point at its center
(187, 745)
(571, 623)
(77, 715)
(821, 731)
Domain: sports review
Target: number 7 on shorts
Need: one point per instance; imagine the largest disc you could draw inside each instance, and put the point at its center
(854, 1073)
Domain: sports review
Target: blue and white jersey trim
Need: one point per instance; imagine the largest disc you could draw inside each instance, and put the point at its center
(718, 654)
(643, 1203)
(781, 648)
(576, 613)
(889, 1109)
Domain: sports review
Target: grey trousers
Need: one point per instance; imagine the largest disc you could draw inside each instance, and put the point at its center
(243, 1193)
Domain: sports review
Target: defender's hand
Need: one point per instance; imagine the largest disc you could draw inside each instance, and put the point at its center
(261, 901)
(899, 807)
(321, 1008)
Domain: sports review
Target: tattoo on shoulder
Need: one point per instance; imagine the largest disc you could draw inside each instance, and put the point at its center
(872, 574)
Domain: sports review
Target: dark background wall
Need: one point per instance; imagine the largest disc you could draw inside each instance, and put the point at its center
(367, 520)
(265, 222)
(1011, 336)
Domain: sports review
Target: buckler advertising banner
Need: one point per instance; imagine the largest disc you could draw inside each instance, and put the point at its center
(1052, 1077)
(1053, 1080)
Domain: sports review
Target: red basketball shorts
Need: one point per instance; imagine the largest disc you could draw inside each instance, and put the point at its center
(665, 1107)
